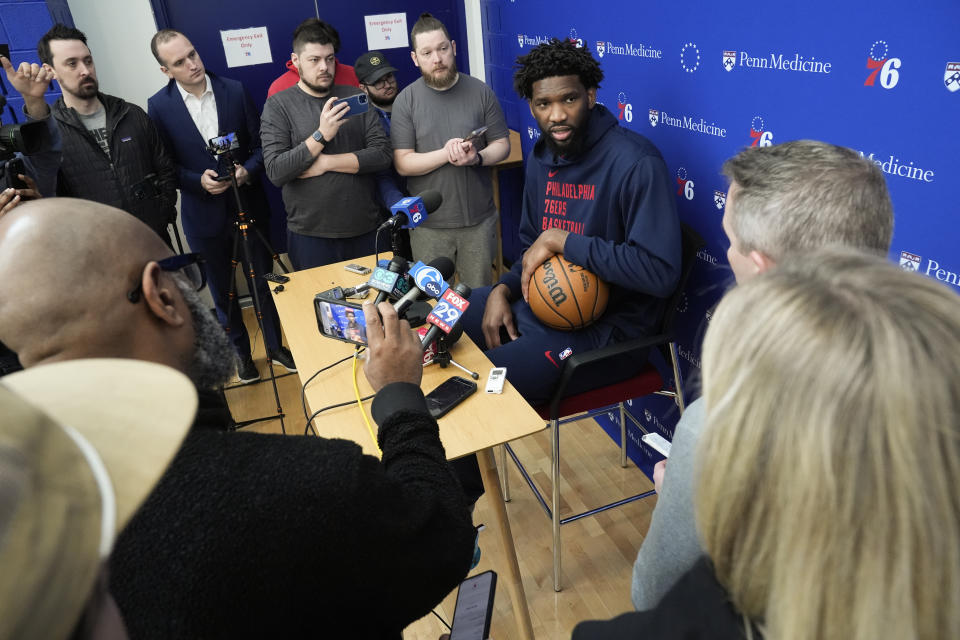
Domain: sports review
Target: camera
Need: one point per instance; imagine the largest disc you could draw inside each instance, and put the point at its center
(27, 138)
(223, 144)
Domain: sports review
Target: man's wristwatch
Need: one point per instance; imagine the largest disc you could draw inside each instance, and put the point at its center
(479, 159)
(319, 137)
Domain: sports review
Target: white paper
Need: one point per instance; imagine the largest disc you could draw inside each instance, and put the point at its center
(386, 31)
(244, 47)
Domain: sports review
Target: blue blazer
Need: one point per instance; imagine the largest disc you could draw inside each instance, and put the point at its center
(204, 215)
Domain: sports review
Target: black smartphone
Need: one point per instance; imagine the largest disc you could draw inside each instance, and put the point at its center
(358, 104)
(341, 320)
(5, 51)
(276, 277)
(449, 394)
(471, 616)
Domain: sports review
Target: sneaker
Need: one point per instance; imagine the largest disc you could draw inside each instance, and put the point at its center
(247, 371)
(284, 358)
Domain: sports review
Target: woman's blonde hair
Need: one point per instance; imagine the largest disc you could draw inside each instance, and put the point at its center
(828, 495)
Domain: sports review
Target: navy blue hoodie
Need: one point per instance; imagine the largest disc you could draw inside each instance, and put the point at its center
(617, 201)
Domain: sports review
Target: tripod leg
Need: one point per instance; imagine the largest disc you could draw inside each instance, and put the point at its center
(232, 293)
(273, 254)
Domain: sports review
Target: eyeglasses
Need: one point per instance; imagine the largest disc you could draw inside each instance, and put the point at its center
(188, 264)
(384, 81)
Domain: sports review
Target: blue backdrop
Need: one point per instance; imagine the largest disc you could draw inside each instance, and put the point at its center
(704, 79)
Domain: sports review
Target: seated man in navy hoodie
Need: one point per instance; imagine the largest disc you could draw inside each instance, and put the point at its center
(628, 234)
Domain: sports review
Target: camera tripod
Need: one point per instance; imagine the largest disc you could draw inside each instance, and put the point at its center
(443, 358)
(243, 225)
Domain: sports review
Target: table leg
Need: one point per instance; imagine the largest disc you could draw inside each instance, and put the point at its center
(491, 483)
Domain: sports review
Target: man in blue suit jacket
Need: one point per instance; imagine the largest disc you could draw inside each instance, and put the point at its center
(194, 107)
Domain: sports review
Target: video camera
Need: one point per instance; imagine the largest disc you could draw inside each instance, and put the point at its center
(26, 138)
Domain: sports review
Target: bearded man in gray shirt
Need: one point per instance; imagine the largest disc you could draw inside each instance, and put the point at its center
(324, 160)
(431, 119)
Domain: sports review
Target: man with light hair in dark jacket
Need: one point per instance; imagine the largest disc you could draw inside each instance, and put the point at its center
(112, 152)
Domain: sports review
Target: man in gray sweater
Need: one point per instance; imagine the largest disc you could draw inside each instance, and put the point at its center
(323, 157)
(783, 200)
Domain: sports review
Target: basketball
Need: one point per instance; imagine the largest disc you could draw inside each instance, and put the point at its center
(566, 296)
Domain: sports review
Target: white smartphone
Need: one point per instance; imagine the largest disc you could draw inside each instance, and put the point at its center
(658, 443)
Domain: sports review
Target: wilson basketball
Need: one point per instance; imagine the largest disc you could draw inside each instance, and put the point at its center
(566, 296)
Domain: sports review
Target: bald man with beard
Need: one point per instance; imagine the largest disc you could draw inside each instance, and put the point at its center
(246, 535)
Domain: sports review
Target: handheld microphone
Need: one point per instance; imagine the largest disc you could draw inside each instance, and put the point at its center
(446, 313)
(409, 212)
(430, 280)
(383, 280)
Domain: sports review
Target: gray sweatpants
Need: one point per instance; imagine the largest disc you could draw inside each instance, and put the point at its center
(472, 249)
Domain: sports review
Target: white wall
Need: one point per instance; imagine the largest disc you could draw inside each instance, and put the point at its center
(118, 34)
(472, 10)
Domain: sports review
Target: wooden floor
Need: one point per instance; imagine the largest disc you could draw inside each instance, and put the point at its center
(598, 551)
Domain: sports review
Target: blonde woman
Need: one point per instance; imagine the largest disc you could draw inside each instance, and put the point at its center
(828, 493)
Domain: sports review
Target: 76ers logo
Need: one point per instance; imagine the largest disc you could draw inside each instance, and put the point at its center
(882, 66)
(685, 186)
(760, 137)
(624, 108)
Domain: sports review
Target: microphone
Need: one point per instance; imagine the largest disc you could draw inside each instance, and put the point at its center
(409, 212)
(429, 278)
(446, 313)
(383, 280)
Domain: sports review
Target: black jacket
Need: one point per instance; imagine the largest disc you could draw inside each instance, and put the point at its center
(253, 535)
(696, 608)
(136, 152)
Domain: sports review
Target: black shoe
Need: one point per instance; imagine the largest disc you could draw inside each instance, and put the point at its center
(247, 371)
(284, 358)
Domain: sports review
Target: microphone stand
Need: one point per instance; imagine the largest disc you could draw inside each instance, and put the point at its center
(444, 359)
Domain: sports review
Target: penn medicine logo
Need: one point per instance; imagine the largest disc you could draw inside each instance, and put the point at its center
(881, 66)
(533, 132)
(758, 133)
(894, 166)
(729, 60)
(913, 262)
(628, 49)
(719, 199)
(951, 77)
(684, 184)
(909, 261)
(777, 62)
(531, 41)
(691, 123)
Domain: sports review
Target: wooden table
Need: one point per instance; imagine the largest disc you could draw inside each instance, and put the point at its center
(475, 426)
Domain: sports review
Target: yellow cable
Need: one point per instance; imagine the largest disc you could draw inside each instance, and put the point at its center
(356, 389)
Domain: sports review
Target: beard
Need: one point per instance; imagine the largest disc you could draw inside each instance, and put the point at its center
(440, 79)
(213, 361)
(317, 87)
(571, 147)
(382, 102)
(87, 89)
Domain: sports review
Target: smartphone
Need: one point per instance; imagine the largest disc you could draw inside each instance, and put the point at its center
(474, 608)
(340, 319)
(658, 443)
(5, 51)
(449, 394)
(358, 104)
(276, 277)
(357, 268)
(476, 133)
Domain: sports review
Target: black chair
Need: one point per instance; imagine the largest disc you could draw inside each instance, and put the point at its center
(564, 408)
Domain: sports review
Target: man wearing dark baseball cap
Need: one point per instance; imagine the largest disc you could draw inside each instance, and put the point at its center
(378, 80)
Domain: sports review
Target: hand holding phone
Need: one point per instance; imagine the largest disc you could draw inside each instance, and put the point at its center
(393, 354)
(358, 104)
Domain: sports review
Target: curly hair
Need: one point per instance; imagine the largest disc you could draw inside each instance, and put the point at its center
(555, 58)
